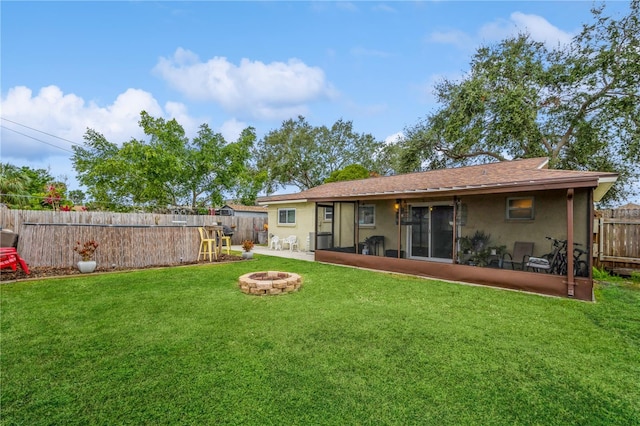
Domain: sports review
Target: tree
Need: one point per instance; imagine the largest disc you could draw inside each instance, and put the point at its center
(77, 196)
(166, 170)
(23, 187)
(578, 105)
(351, 172)
(304, 156)
(14, 186)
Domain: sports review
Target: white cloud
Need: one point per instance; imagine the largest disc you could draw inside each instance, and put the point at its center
(538, 27)
(231, 129)
(39, 130)
(396, 137)
(66, 116)
(251, 89)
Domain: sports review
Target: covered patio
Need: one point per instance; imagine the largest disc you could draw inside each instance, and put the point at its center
(424, 223)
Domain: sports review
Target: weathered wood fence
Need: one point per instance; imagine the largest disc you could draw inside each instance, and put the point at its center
(617, 238)
(129, 240)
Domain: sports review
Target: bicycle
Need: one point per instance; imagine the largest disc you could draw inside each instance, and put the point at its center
(558, 258)
(580, 267)
(557, 263)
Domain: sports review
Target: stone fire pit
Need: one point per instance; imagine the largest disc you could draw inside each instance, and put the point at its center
(270, 282)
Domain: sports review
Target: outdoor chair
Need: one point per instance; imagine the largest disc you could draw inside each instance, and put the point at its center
(522, 251)
(225, 242)
(207, 245)
(291, 241)
(275, 243)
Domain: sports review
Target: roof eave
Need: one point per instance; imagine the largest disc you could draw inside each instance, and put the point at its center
(471, 190)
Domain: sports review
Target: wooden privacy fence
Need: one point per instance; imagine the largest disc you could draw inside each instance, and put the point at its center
(617, 239)
(120, 246)
(127, 240)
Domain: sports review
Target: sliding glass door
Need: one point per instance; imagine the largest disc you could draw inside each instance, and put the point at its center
(431, 234)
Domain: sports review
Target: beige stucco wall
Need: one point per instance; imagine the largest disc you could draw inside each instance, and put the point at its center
(483, 212)
(488, 213)
(385, 224)
(304, 222)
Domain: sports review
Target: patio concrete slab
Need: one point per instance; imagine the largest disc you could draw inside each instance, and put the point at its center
(300, 255)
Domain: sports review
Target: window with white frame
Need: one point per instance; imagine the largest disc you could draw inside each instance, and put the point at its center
(520, 208)
(328, 214)
(367, 215)
(286, 216)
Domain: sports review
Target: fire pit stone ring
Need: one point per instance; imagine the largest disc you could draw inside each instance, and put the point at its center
(269, 283)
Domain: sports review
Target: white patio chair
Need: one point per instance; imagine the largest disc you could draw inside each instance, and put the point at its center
(275, 243)
(292, 241)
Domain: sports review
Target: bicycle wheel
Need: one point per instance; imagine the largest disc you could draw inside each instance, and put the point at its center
(560, 266)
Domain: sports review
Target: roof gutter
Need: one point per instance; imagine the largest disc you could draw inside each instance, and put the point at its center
(298, 201)
(542, 185)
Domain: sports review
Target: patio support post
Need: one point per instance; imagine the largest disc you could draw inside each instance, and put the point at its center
(356, 225)
(399, 213)
(454, 255)
(570, 277)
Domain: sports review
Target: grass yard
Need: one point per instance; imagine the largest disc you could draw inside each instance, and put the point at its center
(185, 346)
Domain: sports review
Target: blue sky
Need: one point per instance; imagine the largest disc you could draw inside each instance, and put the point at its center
(69, 66)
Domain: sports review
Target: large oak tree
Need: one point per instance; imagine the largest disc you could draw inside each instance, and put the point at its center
(579, 105)
(301, 155)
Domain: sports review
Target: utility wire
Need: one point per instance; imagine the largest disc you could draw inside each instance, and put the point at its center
(40, 131)
(39, 140)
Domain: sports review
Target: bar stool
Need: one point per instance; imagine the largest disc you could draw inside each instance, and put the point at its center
(226, 243)
(207, 245)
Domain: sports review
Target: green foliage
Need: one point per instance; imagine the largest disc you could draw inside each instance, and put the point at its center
(578, 105)
(168, 169)
(600, 274)
(77, 196)
(351, 172)
(24, 187)
(184, 346)
(304, 156)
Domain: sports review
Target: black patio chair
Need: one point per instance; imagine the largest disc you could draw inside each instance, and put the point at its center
(522, 251)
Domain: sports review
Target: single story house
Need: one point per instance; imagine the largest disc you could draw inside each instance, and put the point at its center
(242, 211)
(423, 223)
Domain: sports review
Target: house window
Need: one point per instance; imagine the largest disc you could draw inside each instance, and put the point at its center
(520, 208)
(328, 214)
(286, 216)
(367, 215)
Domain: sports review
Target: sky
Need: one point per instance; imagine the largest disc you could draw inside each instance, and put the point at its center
(73, 65)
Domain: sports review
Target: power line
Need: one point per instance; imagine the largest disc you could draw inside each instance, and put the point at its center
(40, 131)
(36, 139)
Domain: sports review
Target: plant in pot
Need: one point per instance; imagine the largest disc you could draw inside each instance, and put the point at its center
(474, 249)
(86, 251)
(247, 246)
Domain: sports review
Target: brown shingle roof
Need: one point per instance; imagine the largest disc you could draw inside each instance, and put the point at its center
(242, 208)
(517, 175)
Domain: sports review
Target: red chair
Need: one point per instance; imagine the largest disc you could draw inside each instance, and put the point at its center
(9, 258)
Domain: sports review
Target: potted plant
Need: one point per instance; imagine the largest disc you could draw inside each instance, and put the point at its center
(247, 246)
(86, 251)
(263, 235)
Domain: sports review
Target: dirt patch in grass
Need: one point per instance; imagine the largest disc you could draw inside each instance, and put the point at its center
(7, 275)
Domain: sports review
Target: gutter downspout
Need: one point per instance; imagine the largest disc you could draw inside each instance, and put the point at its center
(570, 277)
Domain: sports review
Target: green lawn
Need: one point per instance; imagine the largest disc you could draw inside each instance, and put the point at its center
(185, 346)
